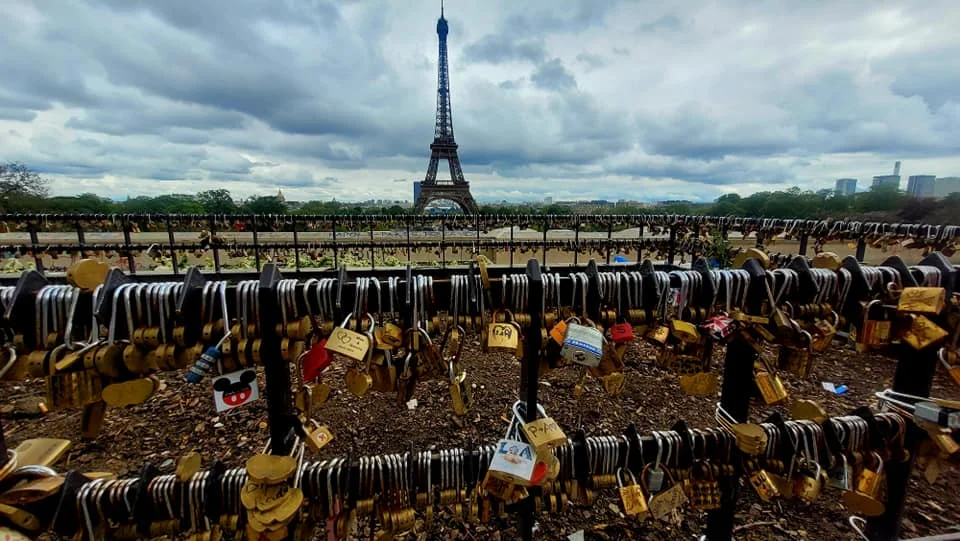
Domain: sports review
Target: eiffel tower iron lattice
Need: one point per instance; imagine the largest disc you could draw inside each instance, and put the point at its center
(444, 146)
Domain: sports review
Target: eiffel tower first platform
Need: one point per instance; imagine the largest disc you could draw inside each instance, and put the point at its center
(444, 147)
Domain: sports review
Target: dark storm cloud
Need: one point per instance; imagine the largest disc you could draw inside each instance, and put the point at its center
(499, 48)
(553, 75)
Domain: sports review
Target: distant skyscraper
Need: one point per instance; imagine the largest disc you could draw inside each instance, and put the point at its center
(889, 180)
(416, 190)
(921, 185)
(846, 186)
(946, 186)
(548, 200)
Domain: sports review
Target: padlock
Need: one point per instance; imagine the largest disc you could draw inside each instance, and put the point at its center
(348, 343)
(583, 344)
(922, 300)
(699, 384)
(841, 477)
(513, 460)
(621, 333)
(720, 328)
(764, 486)
(874, 333)
(461, 397)
(658, 335)
(559, 331)
(666, 503)
(631, 495)
(543, 433)
(684, 331)
(823, 332)
(808, 483)
(206, 362)
(769, 384)
(704, 490)
(503, 336)
(318, 436)
(864, 500)
(922, 332)
(796, 359)
(946, 356)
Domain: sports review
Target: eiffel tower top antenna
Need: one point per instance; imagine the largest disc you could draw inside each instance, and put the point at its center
(441, 9)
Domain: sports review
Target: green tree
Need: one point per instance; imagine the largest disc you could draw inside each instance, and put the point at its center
(20, 188)
(269, 204)
(217, 201)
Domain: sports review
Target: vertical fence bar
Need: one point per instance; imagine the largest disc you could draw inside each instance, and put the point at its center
(672, 246)
(296, 246)
(407, 220)
(280, 415)
(81, 237)
(735, 399)
(173, 246)
(213, 243)
(511, 245)
(373, 264)
(576, 240)
(131, 263)
(913, 376)
(336, 247)
(804, 239)
(639, 247)
(531, 377)
(861, 249)
(256, 241)
(609, 239)
(546, 227)
(443, 239)
(35, 246)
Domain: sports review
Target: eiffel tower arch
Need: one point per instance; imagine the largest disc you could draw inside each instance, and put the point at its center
(444, 146)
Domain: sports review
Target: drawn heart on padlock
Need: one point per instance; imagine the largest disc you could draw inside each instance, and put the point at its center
(316, 360)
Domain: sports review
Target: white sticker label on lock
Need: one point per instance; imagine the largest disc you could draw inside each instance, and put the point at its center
(235, 389)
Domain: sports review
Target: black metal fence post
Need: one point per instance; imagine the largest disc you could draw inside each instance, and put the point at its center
(173, 246)
(213, 244)
(861, 249)
(531, 368)
(131, 263)
(609, 239)
(35, 246)
(280, 413)
(296, 246)
(672, 247)
(804, 239)
(336, 249)
(735, 399)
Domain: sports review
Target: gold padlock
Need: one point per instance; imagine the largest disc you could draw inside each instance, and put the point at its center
(631, 495)
(922, 300)
(864, 499)
(503, 336)
(922, 332)
(684, 331)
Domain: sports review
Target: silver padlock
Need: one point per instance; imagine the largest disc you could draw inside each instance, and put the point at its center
(582, 345)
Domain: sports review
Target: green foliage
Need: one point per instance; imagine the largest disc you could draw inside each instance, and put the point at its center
(22, 190)
(217, 201)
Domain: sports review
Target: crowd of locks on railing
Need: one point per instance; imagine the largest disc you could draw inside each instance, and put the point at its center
(99, 340)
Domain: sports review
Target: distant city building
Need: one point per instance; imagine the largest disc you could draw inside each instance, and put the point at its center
(921, 185)
(887, 180)
(548, 200)
(846, 186)
(416, 189)
(946, 186)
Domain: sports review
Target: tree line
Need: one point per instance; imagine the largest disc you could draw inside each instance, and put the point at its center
(22, 190)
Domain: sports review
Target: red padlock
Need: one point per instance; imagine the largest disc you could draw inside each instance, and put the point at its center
(316, 360)
(621, 332)
(720, 328)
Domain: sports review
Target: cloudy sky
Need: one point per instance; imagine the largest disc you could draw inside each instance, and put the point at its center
(608, 99)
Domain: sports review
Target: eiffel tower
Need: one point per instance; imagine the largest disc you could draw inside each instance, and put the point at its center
(444, 147)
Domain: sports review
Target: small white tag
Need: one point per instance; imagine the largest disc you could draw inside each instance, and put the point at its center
(576, 536)
(827, 386)
(235, 389)
(412, 404)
